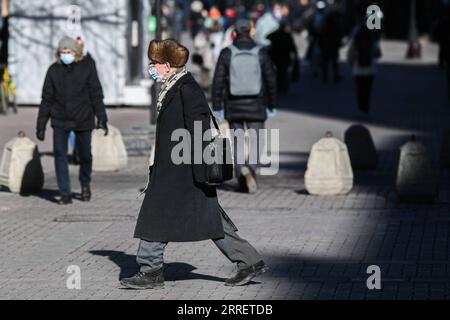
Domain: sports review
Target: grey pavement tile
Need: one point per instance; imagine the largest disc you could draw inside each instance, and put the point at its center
(317, 247)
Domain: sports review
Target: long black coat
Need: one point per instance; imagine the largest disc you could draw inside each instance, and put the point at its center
(178, 206)
(72, 97)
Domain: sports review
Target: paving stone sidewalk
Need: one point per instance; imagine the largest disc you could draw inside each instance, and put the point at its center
(316, 247)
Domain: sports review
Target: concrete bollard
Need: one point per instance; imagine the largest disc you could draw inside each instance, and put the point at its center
(415, 180)
(109, 153)
(21, 168)
(329, 169)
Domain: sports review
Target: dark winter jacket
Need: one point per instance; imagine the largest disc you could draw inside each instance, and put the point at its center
(283, 50)
(178, 205)
(330, 35)
(252, 108)
(72, 97)
(4, 39)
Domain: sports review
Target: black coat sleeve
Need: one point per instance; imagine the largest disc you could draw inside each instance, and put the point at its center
(220, 79)
(196, 110)
(96, 93)
(269, 78)
(48, 99)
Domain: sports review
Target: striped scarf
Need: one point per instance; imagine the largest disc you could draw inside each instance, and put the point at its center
(167, 85)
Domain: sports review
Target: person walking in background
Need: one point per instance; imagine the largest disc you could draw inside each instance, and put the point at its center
(330, 36)
(228, 36)
(264, 26)
(217, 38)
(362, 55)
(72, 97)
(244, 89)
(196, 18)
(204, 57)
(4, 36)
(315, 20)
(442, 35)
(229, 19)
(284, 55)
(179, 205)
(5, 76)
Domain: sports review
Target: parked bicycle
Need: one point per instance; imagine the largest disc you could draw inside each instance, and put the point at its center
(7, 93)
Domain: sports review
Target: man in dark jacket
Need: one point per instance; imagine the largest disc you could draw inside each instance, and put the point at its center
(4, 35)
(443, 38)
(244, 112)
(330, 41)
(179, 205)
(72, 97)
(284, 55)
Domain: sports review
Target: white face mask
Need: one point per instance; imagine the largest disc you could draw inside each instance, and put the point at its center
(154, 74)
(67, 58)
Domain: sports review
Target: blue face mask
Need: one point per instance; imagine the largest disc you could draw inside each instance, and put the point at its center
(67, 58)
(154, 74)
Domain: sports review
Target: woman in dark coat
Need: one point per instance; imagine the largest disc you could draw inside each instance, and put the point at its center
(362, 56)
(179, 206)
(72, 98)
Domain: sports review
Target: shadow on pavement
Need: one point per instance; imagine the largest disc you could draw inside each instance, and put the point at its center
(172, 271)
(47, 195)
(52, 195)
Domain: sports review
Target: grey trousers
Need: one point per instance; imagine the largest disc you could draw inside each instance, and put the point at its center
(150, 255)
(252, 144)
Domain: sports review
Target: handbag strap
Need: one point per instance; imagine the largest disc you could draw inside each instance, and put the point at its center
(215, 122)
(213, 117)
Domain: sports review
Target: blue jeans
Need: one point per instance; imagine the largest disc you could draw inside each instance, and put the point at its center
(60, 149)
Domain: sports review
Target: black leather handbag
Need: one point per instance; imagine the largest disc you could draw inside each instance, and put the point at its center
(219, 165)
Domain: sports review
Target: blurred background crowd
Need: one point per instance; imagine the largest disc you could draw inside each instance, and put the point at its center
(298, 33)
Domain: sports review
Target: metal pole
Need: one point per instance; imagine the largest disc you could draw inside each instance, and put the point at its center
(155, 87)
